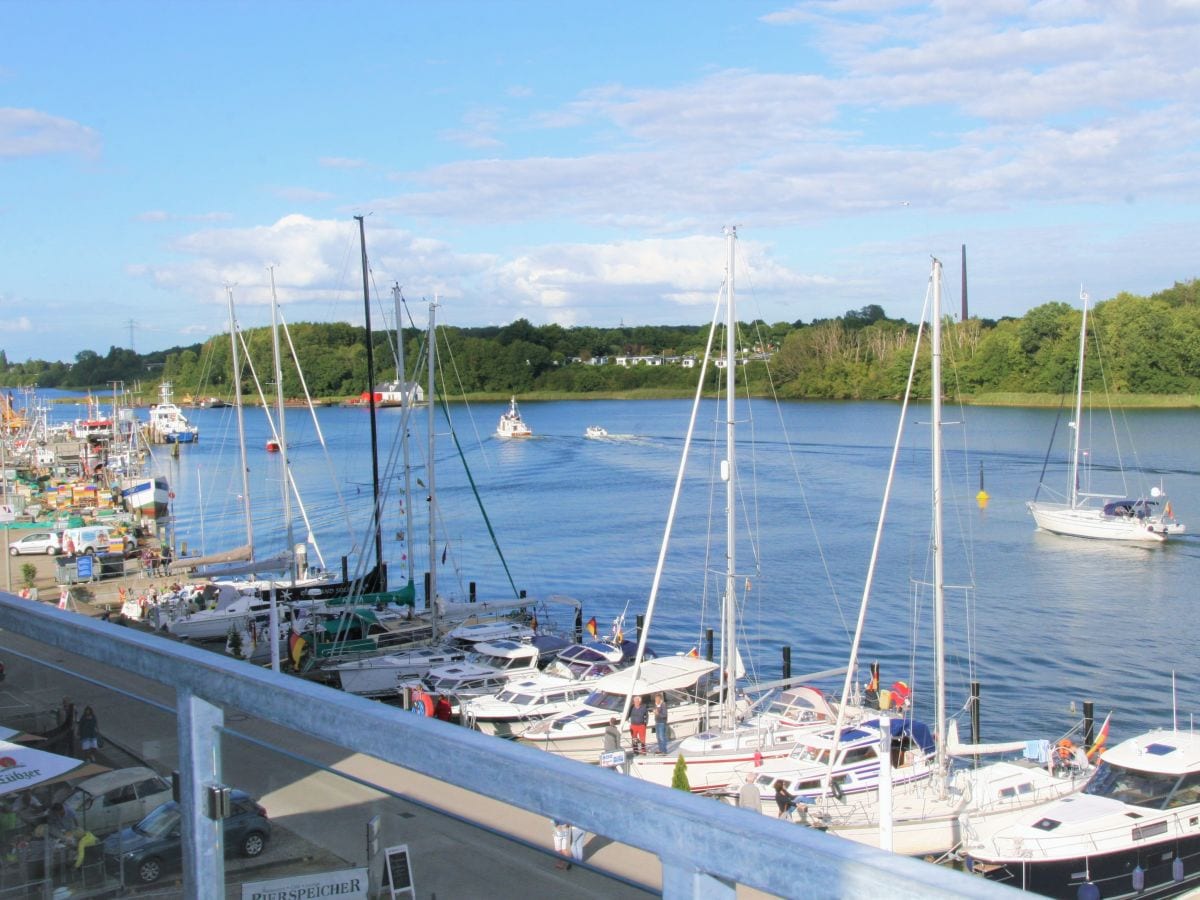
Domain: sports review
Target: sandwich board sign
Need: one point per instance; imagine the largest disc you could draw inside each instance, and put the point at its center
(397, 873)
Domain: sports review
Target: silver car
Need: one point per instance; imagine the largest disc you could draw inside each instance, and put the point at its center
(107, 802)
(46, 542)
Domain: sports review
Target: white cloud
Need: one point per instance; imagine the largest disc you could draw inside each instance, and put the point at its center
(30, 132)
(341, 162)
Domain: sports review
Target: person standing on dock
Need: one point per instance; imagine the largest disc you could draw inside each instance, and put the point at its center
(638, 717)
(660, 722)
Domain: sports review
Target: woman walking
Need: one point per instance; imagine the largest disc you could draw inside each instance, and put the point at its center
(89, 734)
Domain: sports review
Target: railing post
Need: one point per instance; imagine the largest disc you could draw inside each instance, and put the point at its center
(199, 731)
(681, 879)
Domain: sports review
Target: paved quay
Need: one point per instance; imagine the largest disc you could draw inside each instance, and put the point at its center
(320, 797)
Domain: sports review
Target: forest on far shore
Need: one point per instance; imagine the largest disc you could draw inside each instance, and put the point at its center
(1137, 346)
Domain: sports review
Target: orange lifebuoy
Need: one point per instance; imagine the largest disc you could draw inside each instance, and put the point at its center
(422, 704)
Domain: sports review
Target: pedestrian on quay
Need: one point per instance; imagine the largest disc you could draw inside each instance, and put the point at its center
(562, 843)
(638, 717)
(89, 734)
(576, 835)
(660, 722)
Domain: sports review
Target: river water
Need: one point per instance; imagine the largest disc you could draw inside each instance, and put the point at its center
(1043, 622)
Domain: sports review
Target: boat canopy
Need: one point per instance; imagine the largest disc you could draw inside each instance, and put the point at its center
(669, 673)
(1129, 508)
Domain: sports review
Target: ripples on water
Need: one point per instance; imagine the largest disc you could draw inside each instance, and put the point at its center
(1055, 620)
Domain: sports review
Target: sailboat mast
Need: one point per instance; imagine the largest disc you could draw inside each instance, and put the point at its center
(406, 403)
(375, 512)
(431, 358)
(939, 581)
(241, 425)
(283, 451)
(728, 626)
(1077, 425)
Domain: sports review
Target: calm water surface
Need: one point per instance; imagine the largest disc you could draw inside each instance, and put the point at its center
(1041, 621)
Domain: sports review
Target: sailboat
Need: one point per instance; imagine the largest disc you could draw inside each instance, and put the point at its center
(922, 816)
(733, 739)
(1113, 517)
(699, 693)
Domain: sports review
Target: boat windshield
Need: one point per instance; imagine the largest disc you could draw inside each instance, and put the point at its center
(1153, 790)
(605, 700)
(805, 753)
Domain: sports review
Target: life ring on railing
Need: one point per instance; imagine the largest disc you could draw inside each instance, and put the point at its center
(422, 704)
(1064, 752)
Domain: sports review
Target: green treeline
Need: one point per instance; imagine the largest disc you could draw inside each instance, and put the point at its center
(1138, 345)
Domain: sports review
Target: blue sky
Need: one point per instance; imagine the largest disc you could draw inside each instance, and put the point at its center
(575, 162)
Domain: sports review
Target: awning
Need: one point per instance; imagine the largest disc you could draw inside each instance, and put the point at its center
(24, 767)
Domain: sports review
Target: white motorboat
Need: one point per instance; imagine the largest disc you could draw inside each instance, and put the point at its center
(1115, 517)
(221, 605)
(595, 431)
(511, 425)
(168, 425)
(825, 762)
(385, 674)
(489, 668)
(1131, 832)
(688, 683)
(566, 681)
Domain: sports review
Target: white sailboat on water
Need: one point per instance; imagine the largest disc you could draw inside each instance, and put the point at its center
(928, 816)
(1145, 518)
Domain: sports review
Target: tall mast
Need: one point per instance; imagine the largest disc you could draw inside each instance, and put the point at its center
(241, 425)
(939, 585)
(375, 516)
(283, 446)
(1077, 425)
(729, 473)
(406, 402)
(430, 468)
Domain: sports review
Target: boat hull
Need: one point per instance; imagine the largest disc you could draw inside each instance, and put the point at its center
(1093, 523)
(1111, 873)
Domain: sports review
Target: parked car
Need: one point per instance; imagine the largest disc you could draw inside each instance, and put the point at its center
(142, 853)
(111, 800)
(46, 542)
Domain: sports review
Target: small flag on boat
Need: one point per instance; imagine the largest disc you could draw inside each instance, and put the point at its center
(694, 652)
(296, 645)
(533, 622)
(591, 626)
(1100, 738)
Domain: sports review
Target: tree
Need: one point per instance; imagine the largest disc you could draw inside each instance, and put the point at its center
(679, 779)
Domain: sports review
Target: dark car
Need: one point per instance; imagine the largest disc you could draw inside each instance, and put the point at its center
(154, 845)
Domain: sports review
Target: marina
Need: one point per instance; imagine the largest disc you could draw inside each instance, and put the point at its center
(537, 474)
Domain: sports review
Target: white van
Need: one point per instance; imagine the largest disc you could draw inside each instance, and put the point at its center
(90, 539)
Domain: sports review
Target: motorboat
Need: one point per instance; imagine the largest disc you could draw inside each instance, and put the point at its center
(168, 425)
(688, 683)
(489, 668)
(511, 425)
(568, 679)
(385, 674)
(827, 763)
(219, 607)
(1131, 832)
(595, 431)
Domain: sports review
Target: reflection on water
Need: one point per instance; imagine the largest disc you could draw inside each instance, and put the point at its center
(1050, 621)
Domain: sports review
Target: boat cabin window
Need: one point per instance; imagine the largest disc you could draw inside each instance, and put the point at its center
(1132, 786)
(1186, 792)
(859, 755)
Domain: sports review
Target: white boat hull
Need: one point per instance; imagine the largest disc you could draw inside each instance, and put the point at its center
(1061, 518)
(380, 676)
